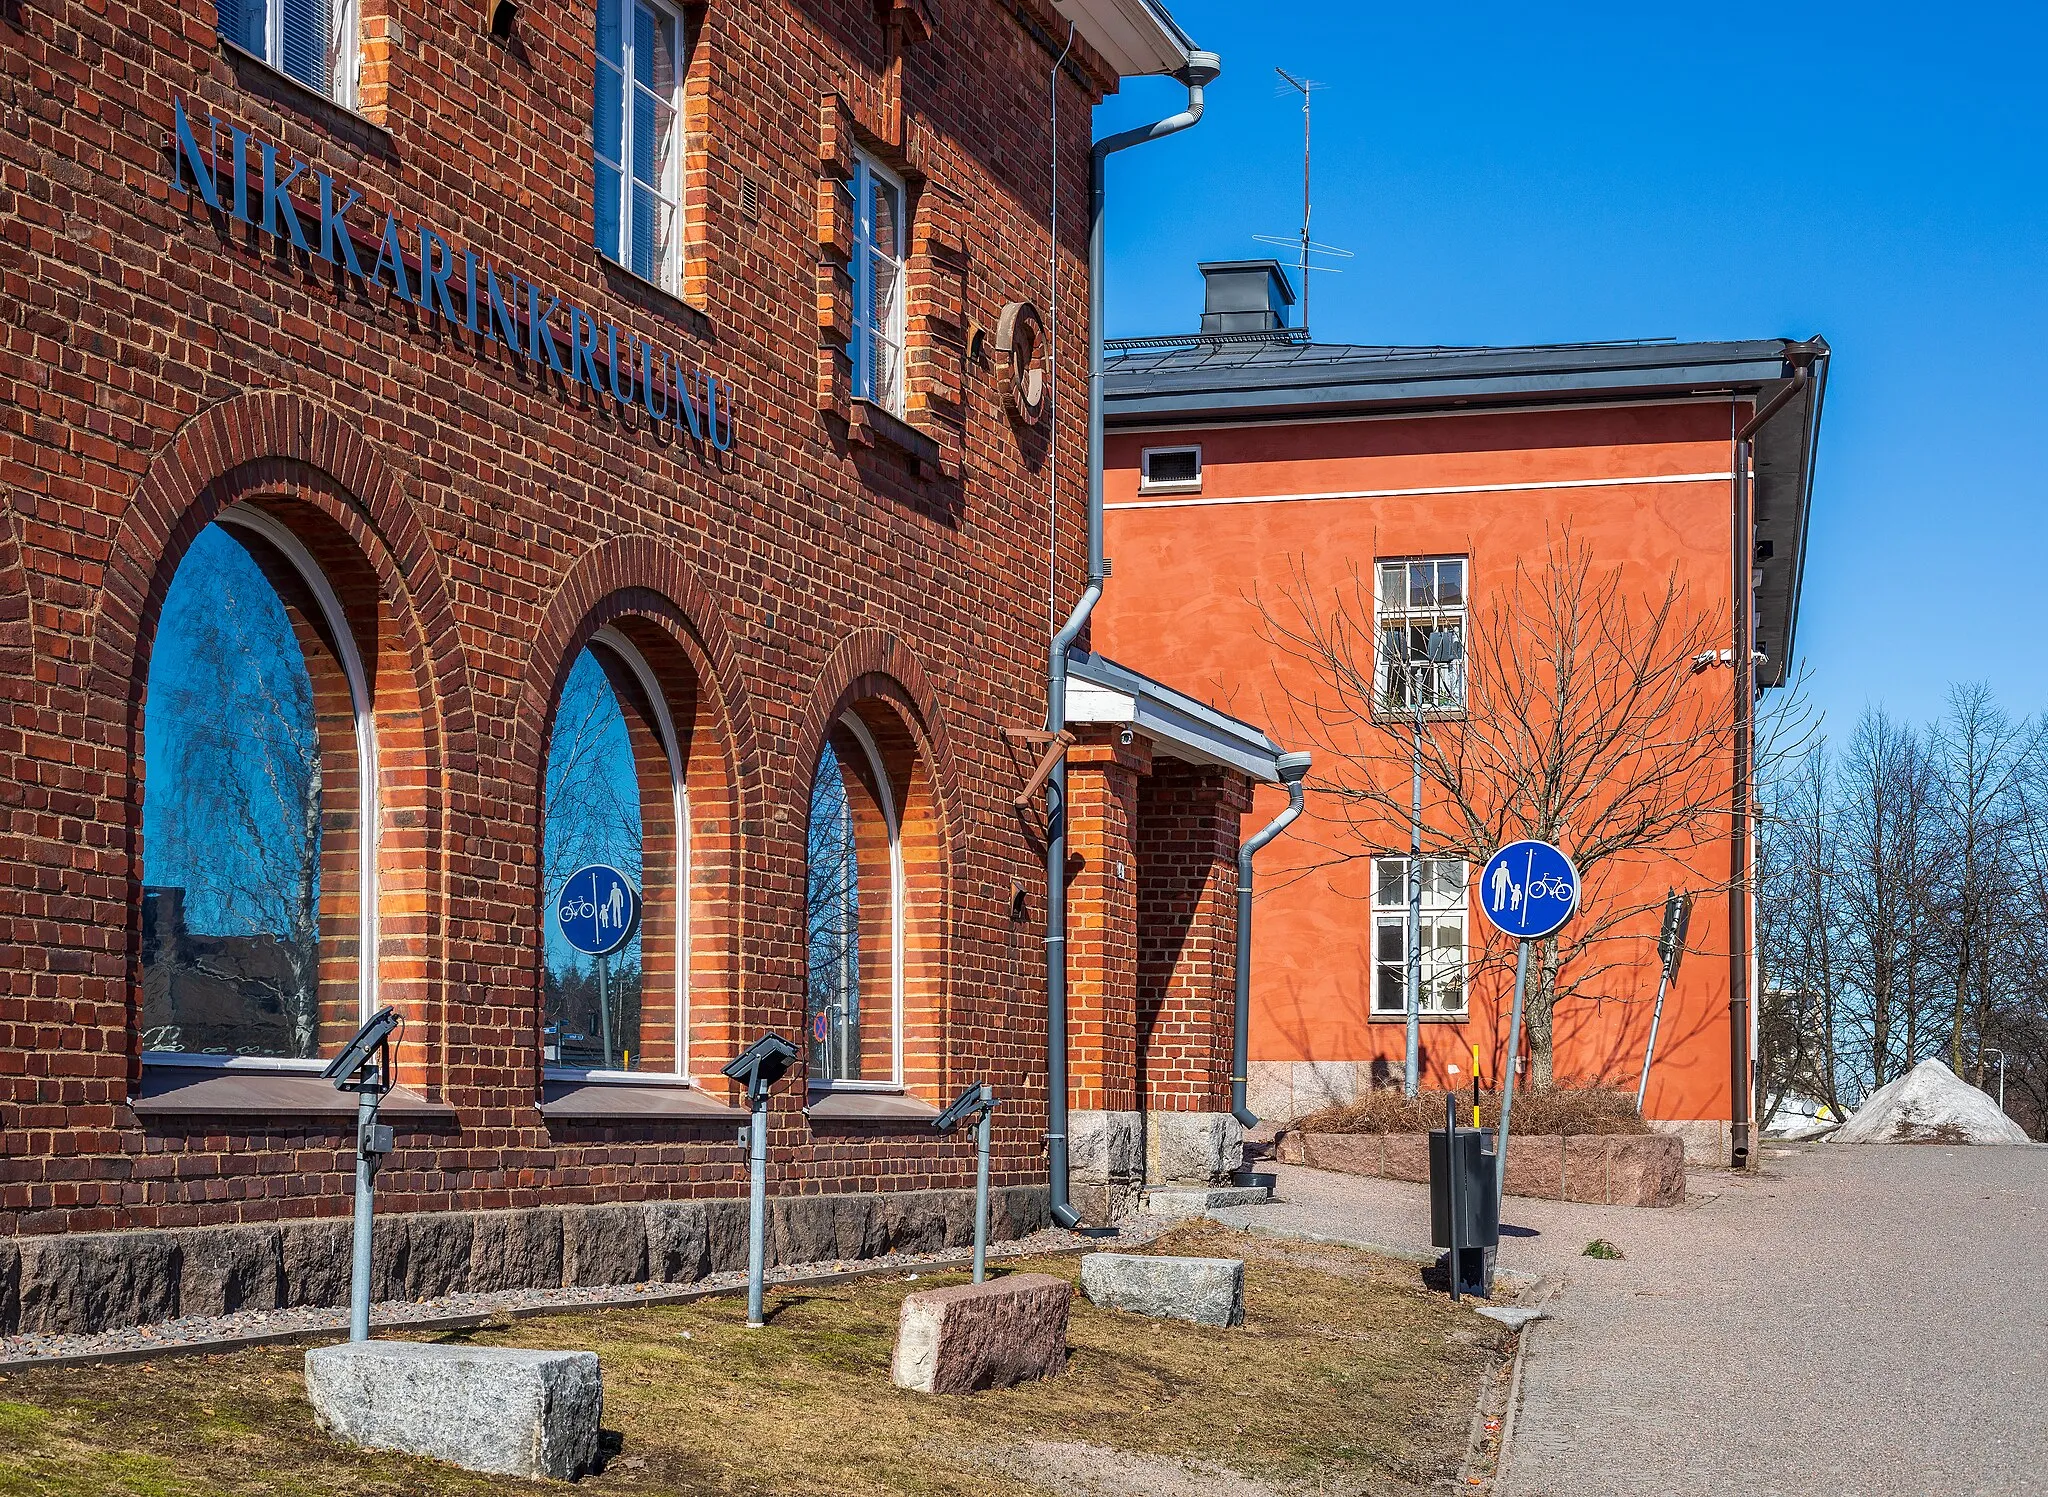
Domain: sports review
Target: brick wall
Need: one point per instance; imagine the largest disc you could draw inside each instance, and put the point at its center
(1188, 822)
(479, 524)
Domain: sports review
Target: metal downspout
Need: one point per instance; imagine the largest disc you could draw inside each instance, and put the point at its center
(1292, 768)
(1201, 68)
(1743, 526)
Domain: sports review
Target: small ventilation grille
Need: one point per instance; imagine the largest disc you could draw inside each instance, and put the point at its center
(750, 197)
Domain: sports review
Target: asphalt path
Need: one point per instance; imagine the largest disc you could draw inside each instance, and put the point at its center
(1850, 1321)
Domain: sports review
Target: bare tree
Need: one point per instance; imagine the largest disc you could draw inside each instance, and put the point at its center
(1800, 925)
(1981, 757)
(1889, 844)
(1585, 721)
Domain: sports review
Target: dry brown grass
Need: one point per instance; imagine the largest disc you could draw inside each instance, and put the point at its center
(1345, 1377)
(1544, 1110)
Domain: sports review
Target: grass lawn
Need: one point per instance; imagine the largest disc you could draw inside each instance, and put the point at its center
(1345, 1377)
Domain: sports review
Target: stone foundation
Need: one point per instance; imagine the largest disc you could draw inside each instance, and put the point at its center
(1620, 1169)
(1705, 1141)
(98, 1281)
(1114, 1158)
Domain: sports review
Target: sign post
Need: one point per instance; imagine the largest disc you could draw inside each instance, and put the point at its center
(1528, 890)
(598, 911)
(1670, 947)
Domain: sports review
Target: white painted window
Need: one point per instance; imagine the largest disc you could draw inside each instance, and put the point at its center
(259, 931)
(1443, 936)
(612, 747)
(637, 137)
(313, 41)
(1414, 599)
(1170, 470)
(854, 901)
(879, 242)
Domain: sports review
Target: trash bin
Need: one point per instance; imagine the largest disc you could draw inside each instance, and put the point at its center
(1470, 1154)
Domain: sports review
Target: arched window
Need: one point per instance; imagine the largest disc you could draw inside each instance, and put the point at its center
(854, 904)
(259, 883)
(614, 798)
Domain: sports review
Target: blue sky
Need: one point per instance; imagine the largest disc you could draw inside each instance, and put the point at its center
(1530, 174)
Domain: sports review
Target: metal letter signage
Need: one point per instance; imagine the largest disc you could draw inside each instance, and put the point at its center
(678, 400)
(597, 910)
(1528, 890)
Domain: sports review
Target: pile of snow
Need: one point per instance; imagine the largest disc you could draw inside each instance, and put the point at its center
(1929, 1104)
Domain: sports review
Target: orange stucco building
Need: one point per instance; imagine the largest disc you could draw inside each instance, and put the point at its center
(1249, 469)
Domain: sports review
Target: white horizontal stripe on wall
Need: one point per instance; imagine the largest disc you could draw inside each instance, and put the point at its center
(1449, 488)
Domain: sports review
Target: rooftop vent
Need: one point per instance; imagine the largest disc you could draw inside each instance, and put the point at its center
(1245, 296)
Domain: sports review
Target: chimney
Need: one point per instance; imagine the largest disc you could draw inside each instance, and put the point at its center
(1244, 296)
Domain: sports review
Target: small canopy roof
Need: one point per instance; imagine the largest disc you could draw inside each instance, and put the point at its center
(1101, 692)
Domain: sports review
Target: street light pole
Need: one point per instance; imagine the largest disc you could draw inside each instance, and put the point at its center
(1412, 1072)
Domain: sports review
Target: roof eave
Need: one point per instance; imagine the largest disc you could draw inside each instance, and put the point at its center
(1177, 724)
(1136, 37)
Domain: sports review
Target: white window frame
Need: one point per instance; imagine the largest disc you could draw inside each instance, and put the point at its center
(1147, 484)
(1451, 680)
(886, 800)
(1436, 909)
(866, 383)
(668, 272)
(344, 50)
(280, 538)
(628, 654)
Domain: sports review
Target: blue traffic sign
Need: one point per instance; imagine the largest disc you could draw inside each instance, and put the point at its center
(1528, 890)
(598, 910)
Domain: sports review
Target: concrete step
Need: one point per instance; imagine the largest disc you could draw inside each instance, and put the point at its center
(1196, 1200)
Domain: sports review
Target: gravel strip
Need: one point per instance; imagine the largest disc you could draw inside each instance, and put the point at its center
(217, 1333)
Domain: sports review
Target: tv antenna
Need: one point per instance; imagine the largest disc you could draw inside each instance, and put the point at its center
(1306, 247)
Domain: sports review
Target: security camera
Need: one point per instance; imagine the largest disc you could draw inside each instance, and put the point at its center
(760, 1066)
(977, 1098)
(357, 1052)
(1126, 737)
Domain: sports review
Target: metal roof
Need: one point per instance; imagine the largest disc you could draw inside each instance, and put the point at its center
(1136, 37)
(1200, 382)
(1100, 691)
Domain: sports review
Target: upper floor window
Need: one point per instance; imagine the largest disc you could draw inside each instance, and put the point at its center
(1170, 470)
(638, 137)
(313, 41)
(259, 920)
(1421, 608)
(1442, 946)
(876, 351)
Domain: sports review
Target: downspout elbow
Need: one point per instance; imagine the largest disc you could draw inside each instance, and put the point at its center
(1293, 767)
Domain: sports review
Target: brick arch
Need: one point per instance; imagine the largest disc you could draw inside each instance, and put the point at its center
(182, 492)
(647, 591)
(312, 469)
(627, 575)
(875, 676)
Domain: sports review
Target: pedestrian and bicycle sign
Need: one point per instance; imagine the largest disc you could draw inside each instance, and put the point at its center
(598, 910)
(1528, 890)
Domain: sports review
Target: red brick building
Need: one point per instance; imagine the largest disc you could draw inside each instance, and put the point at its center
(447, 449)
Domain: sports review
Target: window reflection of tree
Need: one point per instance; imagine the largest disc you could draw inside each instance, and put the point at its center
(592, 814)
(833, 910)
(231, 816)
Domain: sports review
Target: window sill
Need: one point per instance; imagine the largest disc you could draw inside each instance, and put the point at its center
(1426, 1018)
(577, 1101)
(828, 1105)
(657, 299)
(219, 1091)
(1147, 490)
(280, 87)
(872, 425)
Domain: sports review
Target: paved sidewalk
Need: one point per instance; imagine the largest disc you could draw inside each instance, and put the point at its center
(1853, 1321)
